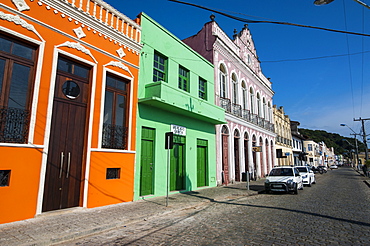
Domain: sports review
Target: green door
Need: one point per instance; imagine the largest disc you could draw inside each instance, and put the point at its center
(147, 161)
(202, 163)
(177, 167)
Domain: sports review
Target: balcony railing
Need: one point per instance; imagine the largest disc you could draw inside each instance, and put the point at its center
(236, 109)
(14, 125)
(114, 137)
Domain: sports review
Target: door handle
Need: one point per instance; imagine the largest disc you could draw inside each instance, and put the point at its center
(61, 164)
(69, 164)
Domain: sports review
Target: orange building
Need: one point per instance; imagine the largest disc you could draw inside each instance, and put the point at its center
(68, 85)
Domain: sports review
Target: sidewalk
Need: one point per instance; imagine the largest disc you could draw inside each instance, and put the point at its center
(56, 227)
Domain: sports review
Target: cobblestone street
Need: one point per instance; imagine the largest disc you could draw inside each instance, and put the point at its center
(331, 212)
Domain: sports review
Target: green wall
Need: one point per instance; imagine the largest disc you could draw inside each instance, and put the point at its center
(162, 104)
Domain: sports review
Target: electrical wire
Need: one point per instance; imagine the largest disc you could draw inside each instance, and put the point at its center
(268, 21)
(349, 59)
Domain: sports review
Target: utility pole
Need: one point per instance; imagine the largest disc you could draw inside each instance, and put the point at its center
(355, 134)
(364, 135)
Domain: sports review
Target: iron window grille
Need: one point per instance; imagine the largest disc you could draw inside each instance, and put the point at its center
(114, 137)
(14, 125)
(113, 173)
(4, 178)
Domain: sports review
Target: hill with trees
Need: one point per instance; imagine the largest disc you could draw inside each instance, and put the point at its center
(341, 144)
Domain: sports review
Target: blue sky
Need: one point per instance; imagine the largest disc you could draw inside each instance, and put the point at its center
(325, 81)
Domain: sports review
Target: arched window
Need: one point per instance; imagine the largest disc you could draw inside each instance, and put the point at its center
(224, 130)
(235, 89)
(264, 108)
(223, 82)
(252, 100)
(259, 111)
(269, 113)
(245, 95)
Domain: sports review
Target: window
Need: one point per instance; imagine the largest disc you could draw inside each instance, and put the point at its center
(252, 100)
(202, 89)
(309, 147)
(223, 82)
(113, 173)
(183, 79)
(116, 111)
(4, 178)
(245, 95)
(17, 61)
(235, 89)
(259, 111)
(159, 67)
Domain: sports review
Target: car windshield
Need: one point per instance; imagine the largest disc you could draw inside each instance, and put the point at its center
(281, 172)
(302, 169)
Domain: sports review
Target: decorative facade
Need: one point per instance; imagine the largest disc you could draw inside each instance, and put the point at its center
(284, 151)
(176, 96)
(68, 85)
(247, 142)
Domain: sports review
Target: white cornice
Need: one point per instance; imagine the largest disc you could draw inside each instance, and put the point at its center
(65, 9)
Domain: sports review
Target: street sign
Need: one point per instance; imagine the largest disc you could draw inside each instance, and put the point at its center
(178, 130)
(169, 140)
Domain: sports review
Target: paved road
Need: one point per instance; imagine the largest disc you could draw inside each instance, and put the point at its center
(335, 211)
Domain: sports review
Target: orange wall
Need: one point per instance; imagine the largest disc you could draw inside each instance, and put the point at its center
(19, 200)
(104, 192)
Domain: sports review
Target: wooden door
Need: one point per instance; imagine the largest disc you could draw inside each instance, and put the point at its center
(64, 171)
(147, 161)
(177, 165)
(236, 158)
(202, 166)
(225, 159)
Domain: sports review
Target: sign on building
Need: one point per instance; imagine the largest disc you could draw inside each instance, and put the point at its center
(257, 148)
(178, 130)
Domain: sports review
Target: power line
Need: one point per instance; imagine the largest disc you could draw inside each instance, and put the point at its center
(267, 21)
(316, 58)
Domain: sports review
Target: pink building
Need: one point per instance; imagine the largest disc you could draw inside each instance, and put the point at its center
(246, 142)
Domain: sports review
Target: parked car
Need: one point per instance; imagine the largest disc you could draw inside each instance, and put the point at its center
(322, 169)
(284, 179)
(308, 176)
(333, 166)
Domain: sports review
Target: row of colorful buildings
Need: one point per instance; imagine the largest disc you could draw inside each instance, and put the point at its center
(90, 101)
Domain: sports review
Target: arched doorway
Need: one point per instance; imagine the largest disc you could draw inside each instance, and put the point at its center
(225, 155)
(236, 155)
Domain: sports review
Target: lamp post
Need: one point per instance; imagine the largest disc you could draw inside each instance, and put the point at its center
(323, 2)
(354, 134)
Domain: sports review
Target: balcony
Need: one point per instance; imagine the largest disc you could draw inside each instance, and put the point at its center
(236, 110)
(162, 95)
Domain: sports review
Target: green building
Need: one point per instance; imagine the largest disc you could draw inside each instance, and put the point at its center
(176, 94)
